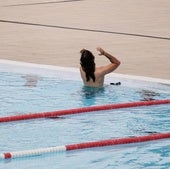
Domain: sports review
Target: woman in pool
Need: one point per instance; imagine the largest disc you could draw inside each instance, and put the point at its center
(93, 76)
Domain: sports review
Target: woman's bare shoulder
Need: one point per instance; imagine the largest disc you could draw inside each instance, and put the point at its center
(103, 70)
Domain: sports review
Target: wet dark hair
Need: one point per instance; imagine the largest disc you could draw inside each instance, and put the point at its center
(88, 64)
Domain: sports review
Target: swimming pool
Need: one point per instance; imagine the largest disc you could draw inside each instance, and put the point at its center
(44, 89)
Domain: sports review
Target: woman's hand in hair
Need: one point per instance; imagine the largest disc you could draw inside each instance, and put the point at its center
(100, 50)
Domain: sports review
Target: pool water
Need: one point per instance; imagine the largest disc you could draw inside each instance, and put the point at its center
(55, 93)
(23, 93)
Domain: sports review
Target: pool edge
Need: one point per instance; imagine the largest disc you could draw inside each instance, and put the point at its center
(19, 66)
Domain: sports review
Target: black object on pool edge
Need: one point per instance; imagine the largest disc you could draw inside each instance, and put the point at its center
(118, 83)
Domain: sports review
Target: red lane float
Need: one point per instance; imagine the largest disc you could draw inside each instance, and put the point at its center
(69, 147)
(110, 142)
(81, 110)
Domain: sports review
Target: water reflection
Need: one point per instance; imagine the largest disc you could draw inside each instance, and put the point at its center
(90, 92)
(31, 80)
(89, 95)
(148, 95)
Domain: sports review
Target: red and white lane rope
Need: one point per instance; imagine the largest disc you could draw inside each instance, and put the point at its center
(81, 110)
(69, 147)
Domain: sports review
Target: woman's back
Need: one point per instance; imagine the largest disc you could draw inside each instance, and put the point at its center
(99, 78)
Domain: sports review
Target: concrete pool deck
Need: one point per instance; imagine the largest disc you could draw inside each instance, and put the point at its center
(53, 32)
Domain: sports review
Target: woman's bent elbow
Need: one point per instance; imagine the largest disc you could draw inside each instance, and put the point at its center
(118, 63)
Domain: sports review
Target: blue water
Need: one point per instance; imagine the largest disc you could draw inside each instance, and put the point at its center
(50, 94)
(55, 93)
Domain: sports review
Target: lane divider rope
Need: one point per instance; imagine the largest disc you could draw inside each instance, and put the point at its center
(81, 110)
(93, 144)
